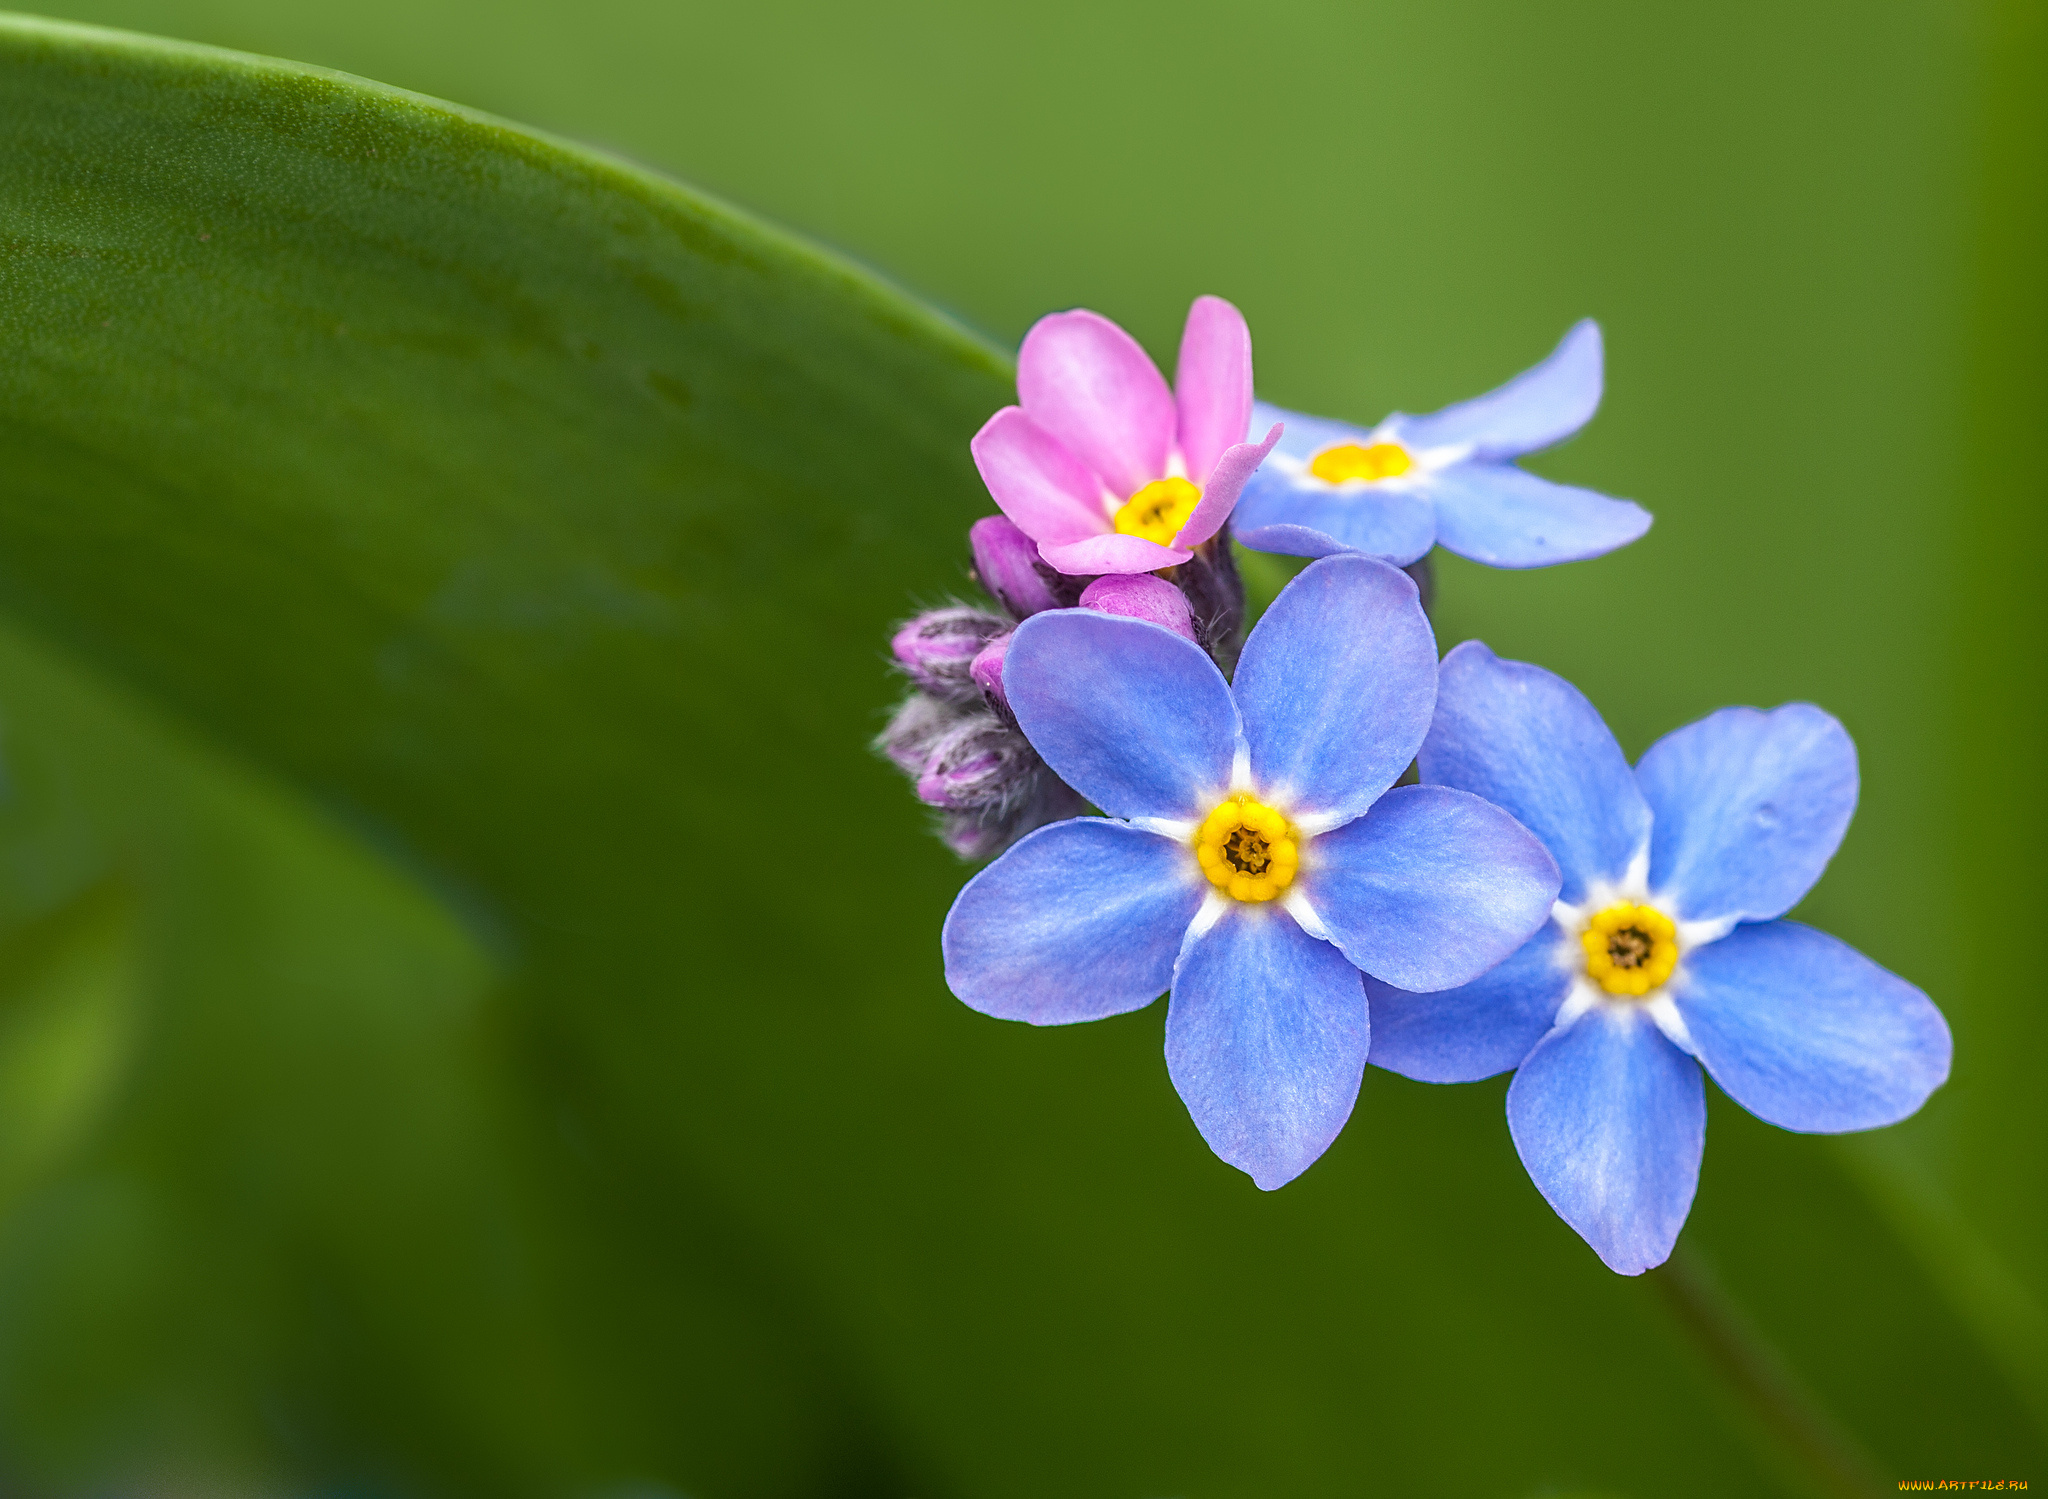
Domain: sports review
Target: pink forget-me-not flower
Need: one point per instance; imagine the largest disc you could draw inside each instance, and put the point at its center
(1102, 465)
(1666, 952)
(1253, 860)
(1446, 479)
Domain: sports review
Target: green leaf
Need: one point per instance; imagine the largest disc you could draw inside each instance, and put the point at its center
(540, 523)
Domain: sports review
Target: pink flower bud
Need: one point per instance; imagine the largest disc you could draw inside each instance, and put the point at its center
(986, 670)
(936, 648)
(979, 762)
(1141, 596)
(1006, 561)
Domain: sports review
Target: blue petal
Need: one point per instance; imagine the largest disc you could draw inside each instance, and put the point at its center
(1803, 1030)
(1336, 686)
(1527, 740)
(1291, 541)
(1538, 407)
(1079, 920)
(1132, 716)
(1381, 520)
(1266, 1040)
(1749, 808)
(1486, 1027)
(1507, 517)
(1610, 1119)
(1430, 888)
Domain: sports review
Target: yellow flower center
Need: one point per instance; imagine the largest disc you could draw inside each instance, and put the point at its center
(1248, 851)
(1383, 460)
(1159, 510)
(1630, 949)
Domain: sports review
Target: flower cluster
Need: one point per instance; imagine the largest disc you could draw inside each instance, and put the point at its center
(1529, 902)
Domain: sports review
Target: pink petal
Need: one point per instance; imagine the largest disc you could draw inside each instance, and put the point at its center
(1213, 384)
(1219, 496)
(1110, 554)
(1088, 383)
(1045, 489)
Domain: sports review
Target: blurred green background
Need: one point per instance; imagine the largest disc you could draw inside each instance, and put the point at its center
(327, 1170)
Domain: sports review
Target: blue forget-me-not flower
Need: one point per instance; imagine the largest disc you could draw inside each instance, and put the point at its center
(1666, 952)
(1448, 478)
(1253, 860)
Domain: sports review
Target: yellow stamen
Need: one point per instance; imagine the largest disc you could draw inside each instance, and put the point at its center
(1630, 949)
(1159, 510)
(1383, 460)
(1248, 850)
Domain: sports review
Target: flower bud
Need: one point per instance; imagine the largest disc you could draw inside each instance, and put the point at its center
(915, 728)
(979, 770)
(1006, 562)
(1039, 798)
(936, 649)
(986, 672)
(1141, 596)
(978, 763)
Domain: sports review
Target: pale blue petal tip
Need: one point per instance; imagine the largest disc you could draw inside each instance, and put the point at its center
(1504, 516)
(1266, 1040)
(1749, 807)
(1079, 920)
(1610, 1119)
(1805, 1032)
(1539, 407)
